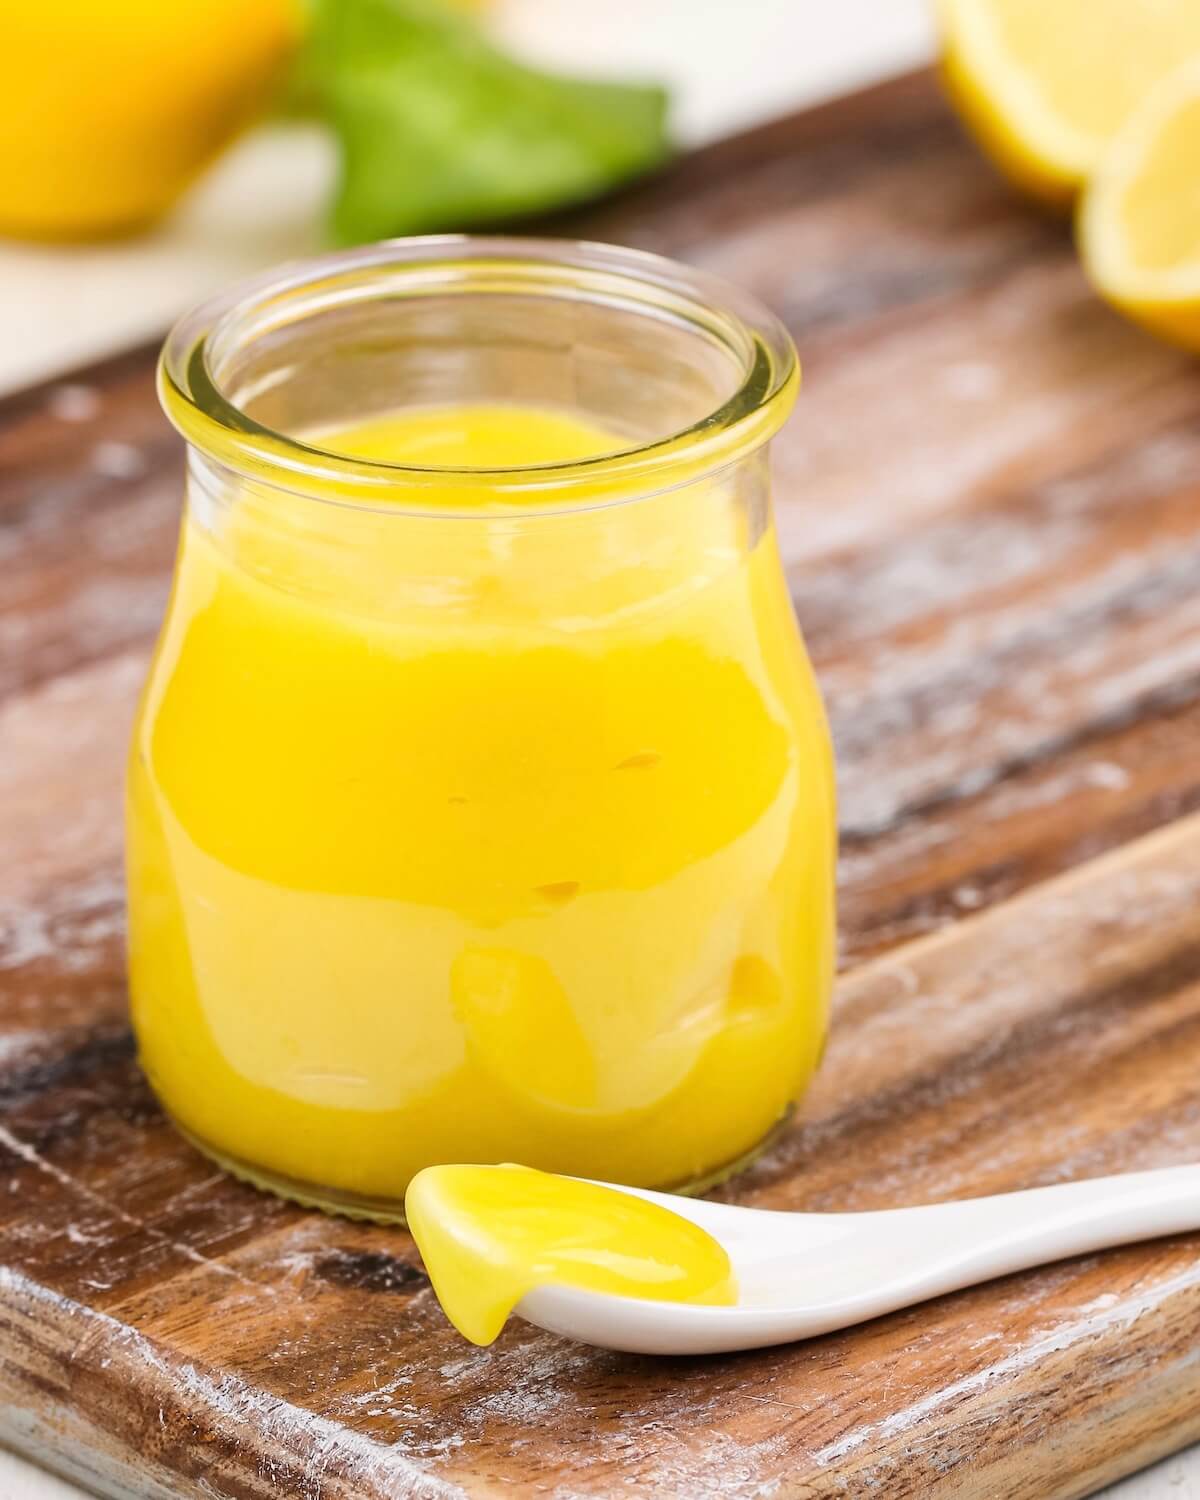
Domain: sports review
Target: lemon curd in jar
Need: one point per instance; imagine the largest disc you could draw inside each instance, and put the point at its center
(466, 833)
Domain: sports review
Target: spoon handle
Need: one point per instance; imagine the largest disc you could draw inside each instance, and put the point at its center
(802, 1274)
(941, 1247)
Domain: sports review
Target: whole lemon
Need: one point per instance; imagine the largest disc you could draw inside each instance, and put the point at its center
(109, 108)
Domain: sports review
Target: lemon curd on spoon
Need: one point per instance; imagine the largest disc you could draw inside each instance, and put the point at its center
(488, 1235)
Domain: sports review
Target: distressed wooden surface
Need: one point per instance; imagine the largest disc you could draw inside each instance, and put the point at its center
(990, 511)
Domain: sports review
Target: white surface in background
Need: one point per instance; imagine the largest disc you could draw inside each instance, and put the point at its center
(729, 63)
(21, 1481)
(1175, 1478)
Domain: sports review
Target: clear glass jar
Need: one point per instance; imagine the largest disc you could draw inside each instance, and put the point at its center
(479, 811)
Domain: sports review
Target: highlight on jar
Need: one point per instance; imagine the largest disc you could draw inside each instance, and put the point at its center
(481, 799)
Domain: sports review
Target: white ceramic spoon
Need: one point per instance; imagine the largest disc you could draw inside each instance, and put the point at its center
(803, 1274)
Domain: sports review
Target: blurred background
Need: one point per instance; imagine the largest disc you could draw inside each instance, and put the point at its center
(71, 291)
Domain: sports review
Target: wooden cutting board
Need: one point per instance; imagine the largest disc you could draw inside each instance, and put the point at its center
(990, 509)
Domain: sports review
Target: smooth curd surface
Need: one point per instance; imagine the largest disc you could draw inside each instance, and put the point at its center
(488, 1235)
(459, 840)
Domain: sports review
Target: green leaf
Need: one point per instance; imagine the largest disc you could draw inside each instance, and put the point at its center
(439, 130)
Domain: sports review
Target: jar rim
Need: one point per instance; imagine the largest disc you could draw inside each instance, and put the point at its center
(191, 394)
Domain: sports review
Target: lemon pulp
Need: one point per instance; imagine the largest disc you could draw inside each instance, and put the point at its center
(1139, 222)
(488, 1235)
(1046, 84)
(1161, 211)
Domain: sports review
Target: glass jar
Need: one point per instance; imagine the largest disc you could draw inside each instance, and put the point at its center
(479, 810)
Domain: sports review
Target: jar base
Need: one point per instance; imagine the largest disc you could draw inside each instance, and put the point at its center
(345, 1205)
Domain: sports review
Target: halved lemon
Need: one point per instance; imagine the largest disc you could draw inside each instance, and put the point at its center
(1139, 221)
(1046, 84)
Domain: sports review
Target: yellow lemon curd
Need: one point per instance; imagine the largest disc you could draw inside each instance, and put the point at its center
(488, 1235)
(454, 840)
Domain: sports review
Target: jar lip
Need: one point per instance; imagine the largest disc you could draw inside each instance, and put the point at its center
(193, 400)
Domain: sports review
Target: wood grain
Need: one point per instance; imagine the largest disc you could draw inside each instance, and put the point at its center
(990, 512)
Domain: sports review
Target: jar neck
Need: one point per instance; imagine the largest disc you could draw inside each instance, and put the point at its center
(686, 374)
(568, 570)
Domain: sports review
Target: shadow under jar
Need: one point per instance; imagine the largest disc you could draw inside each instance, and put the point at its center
(480, 803)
